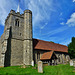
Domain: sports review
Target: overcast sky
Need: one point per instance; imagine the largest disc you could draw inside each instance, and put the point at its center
(53, 20)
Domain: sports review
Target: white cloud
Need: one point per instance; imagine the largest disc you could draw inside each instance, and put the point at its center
(62, 23)
(43, 26)
(71, 21)
(73, 0)
(56, 31)
(41, 9)
(66, 42)
(61, 19)
(5, 7)
(61, 14)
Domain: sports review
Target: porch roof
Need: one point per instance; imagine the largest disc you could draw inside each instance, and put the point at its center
(47, 55)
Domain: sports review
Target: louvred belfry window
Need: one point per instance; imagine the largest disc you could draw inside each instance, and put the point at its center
(17, 22)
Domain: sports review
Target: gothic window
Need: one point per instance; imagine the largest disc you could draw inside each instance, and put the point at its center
(17, 22)
(20, 34)
(26, 51)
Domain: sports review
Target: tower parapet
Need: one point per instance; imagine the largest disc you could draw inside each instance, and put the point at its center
(16, 21)
(12, 11)
(12, 16)
(28, 11)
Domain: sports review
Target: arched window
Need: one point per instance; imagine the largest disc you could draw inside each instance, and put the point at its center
(17, 22)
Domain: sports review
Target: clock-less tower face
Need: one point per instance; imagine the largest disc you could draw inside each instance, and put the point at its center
(16, 21)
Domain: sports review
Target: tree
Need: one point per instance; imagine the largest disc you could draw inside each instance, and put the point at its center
(52, 41)
(71, 48)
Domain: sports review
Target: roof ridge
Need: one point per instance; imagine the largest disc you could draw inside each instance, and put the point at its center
(51, 42)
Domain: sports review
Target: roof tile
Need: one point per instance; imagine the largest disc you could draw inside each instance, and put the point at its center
(45, 45)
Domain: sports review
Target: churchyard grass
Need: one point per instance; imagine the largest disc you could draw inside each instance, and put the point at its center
(48, 70)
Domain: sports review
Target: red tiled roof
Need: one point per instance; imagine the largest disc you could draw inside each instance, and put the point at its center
(46, 56)
(45, 45)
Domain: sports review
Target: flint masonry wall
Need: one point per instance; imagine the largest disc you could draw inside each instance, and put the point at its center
(18, 31)
(36, 56)
(28, 43)
(21, 38)
(63, 58)
(16, 52)
(19, 48)
(4, 41)
(16, 39)
(12, 52)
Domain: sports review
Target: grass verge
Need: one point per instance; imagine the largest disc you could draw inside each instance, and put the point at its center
(48, 70)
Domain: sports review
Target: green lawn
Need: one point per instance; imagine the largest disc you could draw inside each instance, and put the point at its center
(48, 70)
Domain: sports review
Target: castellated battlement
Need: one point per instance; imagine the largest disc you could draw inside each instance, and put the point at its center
(16, 22)
(28, 11)
(12, 12)
(16, 14)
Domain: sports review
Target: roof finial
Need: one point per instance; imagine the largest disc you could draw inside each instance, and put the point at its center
(18, 9)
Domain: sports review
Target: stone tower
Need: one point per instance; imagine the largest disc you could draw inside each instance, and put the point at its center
(28, 45)
(16, 38)
(16, 41)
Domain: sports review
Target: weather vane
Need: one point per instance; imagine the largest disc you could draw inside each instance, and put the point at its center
(18, 9)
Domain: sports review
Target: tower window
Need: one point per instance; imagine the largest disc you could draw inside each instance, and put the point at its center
(17, 22)
(20, 34)
(26, 50)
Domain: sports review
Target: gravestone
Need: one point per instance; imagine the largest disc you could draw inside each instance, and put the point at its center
(32, 62)
(71, 62)
(52, 62)
(40, 67)
(24, 66)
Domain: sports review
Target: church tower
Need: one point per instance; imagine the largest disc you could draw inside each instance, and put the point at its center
(14, 52)
(16, 41)
(28, 44)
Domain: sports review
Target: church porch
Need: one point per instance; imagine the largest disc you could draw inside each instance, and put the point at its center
(49, 58)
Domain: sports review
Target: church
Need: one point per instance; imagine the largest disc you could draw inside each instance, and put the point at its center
(18, 47)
